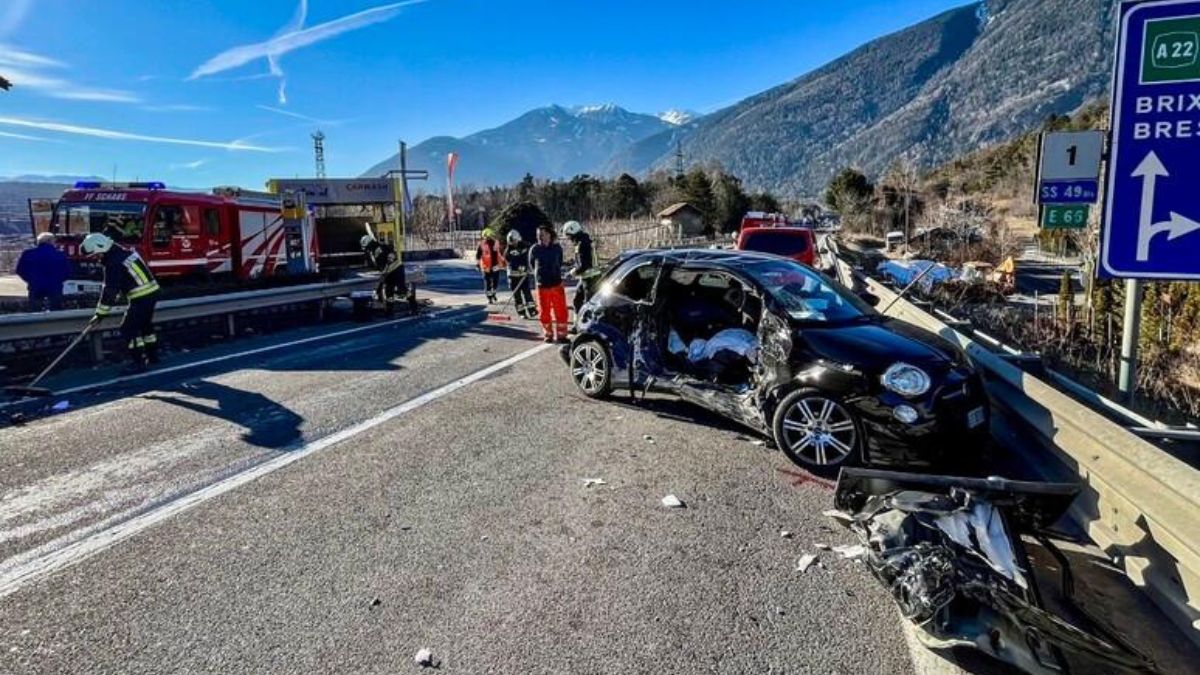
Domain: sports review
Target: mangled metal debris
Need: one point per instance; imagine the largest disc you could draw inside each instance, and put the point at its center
(949, 551)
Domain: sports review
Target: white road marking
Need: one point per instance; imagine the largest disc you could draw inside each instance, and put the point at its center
(253, 352)
(15, 575)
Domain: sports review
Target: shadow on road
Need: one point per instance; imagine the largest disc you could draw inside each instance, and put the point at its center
(268, 423)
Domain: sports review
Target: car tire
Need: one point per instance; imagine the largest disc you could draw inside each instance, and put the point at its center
(817, 432)
(591, 368)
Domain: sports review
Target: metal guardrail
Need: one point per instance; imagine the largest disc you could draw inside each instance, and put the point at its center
(50, 324)
(1141, 505)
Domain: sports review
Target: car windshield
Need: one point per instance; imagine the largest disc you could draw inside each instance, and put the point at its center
(87, 217)
(779, 242)
(806, 295)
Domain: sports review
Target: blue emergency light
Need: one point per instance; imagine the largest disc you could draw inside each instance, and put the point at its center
(87, 185)
(153, 185)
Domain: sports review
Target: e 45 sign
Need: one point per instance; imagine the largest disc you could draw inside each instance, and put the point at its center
(1152, 212)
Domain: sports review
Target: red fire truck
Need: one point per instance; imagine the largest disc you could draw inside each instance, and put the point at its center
(189, 235)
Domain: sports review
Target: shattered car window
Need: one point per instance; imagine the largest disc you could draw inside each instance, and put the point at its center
(805, 295)
(638, 284)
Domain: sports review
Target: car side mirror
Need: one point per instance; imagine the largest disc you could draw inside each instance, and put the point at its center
(869, 298)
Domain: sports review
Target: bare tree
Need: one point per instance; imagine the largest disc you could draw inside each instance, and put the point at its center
(905, 179)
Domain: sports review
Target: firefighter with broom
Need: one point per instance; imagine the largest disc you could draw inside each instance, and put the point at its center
(519, 282)
(127, 275)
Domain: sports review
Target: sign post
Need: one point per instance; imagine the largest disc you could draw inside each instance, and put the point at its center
(1151, 229)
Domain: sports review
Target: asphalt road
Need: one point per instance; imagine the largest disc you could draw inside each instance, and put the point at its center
(336, 498)
(294, 511)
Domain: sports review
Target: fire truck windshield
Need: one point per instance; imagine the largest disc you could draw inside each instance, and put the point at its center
(127, 220)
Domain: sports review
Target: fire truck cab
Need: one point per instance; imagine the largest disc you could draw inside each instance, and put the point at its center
(189, 235)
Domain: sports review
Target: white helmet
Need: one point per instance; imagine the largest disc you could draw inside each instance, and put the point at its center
(96, 244)
(572, 228)
(366, 241)
(514, 237)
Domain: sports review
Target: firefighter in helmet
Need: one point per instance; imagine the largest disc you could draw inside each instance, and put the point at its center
(490, 260)
(517, 255)
(127, 276)
(586, 268)
(383, 257)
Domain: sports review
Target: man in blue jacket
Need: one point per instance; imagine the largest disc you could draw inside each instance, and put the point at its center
(44, 268)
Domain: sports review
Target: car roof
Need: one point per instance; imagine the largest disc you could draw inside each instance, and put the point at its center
(725, 258)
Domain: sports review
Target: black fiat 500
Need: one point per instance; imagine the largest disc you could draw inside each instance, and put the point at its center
(778, 347)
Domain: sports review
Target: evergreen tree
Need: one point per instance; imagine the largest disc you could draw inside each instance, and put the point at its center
(627, 197)
(848, 191)
(699, 191)
(731, 202)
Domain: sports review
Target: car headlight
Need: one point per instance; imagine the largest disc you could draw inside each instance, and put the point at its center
(906, 380)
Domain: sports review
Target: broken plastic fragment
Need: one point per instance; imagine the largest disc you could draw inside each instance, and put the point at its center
(785, 534)
(424, 658)
(590, 482)
(851, 552)
(673, 502)
(805, 562)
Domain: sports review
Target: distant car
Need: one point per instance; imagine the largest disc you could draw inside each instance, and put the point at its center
(782, 349)
(797, 243)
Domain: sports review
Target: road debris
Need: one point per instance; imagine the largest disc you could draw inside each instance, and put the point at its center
(673, 502)
(648, 438)
(949, 551)
(785, 534)
(805, 562)
(760, 443)
(823, 547)
(851, 552)
(424, 658)
(592, 482)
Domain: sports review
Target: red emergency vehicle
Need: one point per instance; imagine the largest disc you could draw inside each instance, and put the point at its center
(188, 234)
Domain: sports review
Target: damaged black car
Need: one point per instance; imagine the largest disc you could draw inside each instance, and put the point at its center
(778, 347)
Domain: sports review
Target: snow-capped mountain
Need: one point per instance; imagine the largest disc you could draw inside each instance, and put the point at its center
(549, 142)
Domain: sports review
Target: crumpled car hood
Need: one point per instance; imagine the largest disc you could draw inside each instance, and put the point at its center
(877, 345)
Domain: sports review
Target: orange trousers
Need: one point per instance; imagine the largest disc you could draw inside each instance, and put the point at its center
(552, 311)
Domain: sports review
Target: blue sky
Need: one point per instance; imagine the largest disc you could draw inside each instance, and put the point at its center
(188, 91)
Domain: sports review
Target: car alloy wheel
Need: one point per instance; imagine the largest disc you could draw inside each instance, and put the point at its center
(817, 431)
(590, 369)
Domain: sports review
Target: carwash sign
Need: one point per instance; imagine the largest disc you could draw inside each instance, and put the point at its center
(333, 191)
(1152, 216)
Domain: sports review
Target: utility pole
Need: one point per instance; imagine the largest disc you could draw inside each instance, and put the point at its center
(319, 152)
(402, 216)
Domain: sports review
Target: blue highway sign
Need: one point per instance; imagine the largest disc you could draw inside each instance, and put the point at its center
(1152, 213)
(1069, 191)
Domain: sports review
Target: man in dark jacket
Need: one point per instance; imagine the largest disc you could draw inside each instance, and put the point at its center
(519, 282)
(586, 268)
(127, 275)
(44, 268)
(545, 262)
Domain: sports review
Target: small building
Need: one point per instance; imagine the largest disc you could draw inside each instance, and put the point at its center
(684, 220)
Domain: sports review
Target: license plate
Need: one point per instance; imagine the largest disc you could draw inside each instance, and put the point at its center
(976, 418)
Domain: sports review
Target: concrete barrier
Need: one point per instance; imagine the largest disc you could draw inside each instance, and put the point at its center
(1141, 505)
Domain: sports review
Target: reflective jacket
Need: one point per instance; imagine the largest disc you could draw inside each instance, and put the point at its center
(546, 263)
(586, 265)
(517, 256)
(488, 256)
(125, 274)
(383, 257)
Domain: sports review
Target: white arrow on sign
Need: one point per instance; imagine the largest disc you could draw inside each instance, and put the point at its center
(1150, 170)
